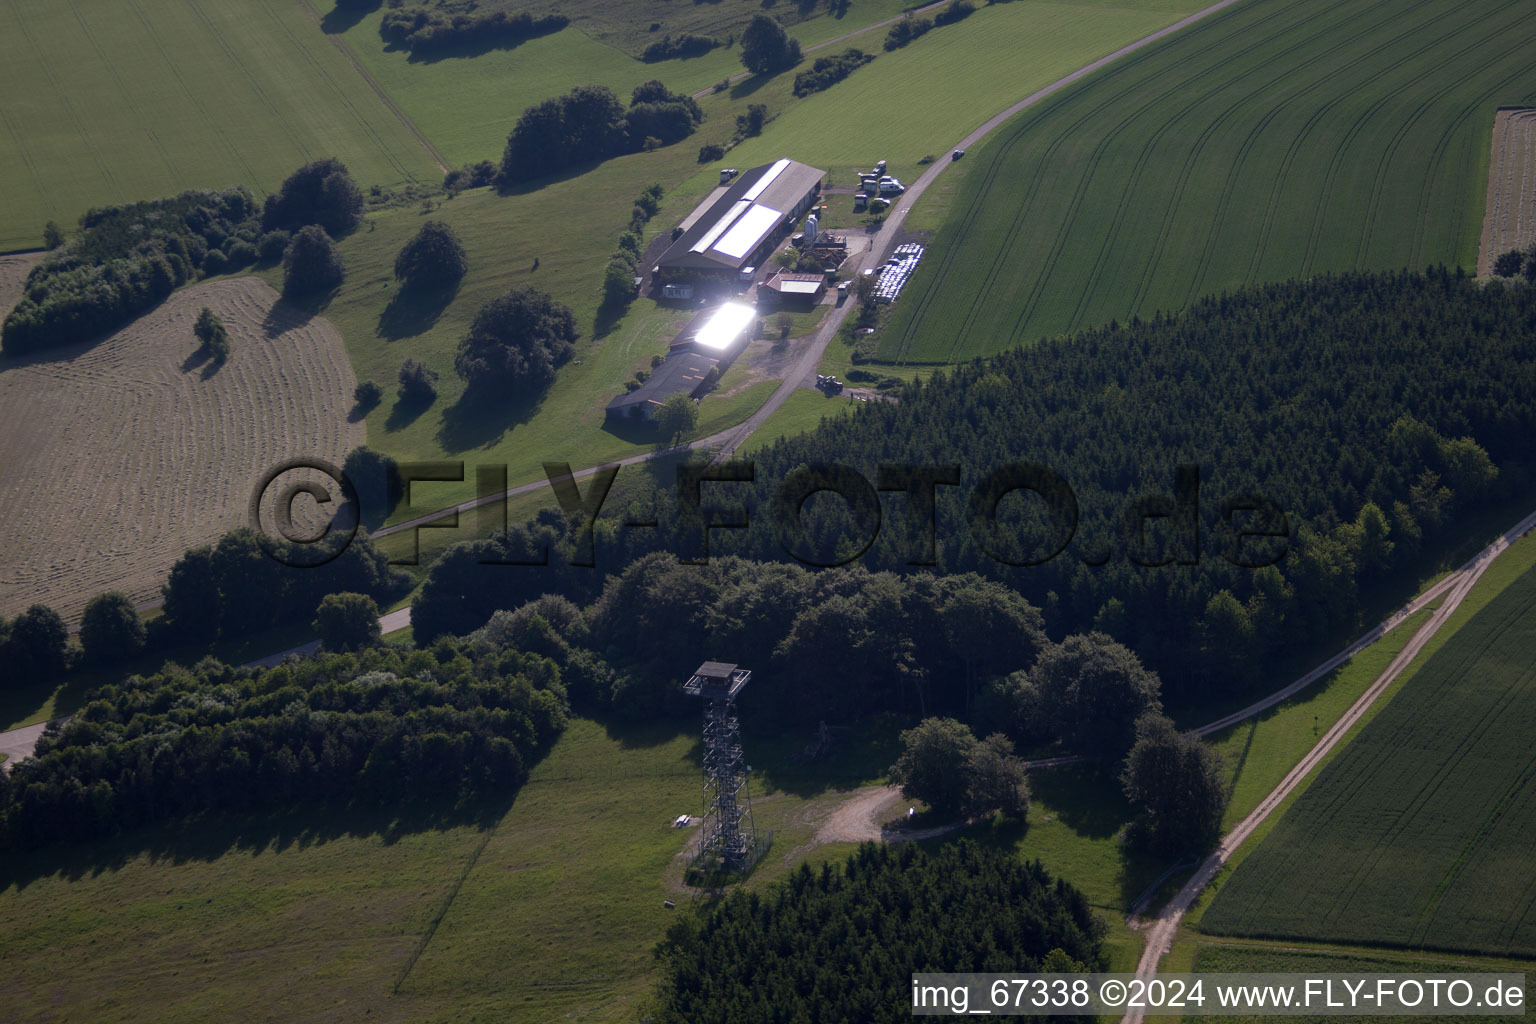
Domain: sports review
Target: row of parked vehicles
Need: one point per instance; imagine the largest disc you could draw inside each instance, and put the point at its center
(876, 183)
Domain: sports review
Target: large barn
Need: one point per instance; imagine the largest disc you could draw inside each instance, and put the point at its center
(738, 225)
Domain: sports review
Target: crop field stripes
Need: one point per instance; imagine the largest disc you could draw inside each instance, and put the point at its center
(340, 96)
(1425, 819)
(194, 96)
(1388, 157)
(1271, 141)
(167, 163)
(1019, 137)
(976, 215)
(341, 46)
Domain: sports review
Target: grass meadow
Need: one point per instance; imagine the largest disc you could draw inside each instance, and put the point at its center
(626, 24)
(1267, 142)
(1427, 814)
(467, 104)
(108, 102)
(544, 910)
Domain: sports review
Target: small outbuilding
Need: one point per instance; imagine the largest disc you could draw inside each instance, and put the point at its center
(787, 289)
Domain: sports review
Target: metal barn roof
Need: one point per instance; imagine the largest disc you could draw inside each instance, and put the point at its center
(732, 221)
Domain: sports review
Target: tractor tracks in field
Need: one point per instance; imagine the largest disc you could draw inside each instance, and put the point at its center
(378, 90)
(1161, 930)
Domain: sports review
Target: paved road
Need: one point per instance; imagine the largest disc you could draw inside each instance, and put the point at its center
(1161, 930)
(19, 743)
(388, 623)
(803, 371)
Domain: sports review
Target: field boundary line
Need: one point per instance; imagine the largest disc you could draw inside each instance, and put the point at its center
(378, 89)
(1161, 930)
(442, 912)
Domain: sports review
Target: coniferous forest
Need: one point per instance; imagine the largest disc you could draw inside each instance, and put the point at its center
(842, 944)
(1355, 418)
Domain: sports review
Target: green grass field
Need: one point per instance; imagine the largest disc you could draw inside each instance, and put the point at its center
(570, 224)
(925, 97)
(1269, 141)
(1427, 814)
(104, 102)
(327, 916)
(467, 105)
(803, 411)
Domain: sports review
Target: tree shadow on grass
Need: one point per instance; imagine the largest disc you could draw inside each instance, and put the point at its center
(412, 311)
(482, 418)
(1085, 798)
(749, 85)
(524, 187)
(405, 412)
(346, 14)
(609, 315)
(206, 838)
(289, 313)
(653, 733)
(857, 756)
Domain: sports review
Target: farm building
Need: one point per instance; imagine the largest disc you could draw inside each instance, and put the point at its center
(718, 330)
(710, 341)
(786, 289)
(682, 371)
(737, 225)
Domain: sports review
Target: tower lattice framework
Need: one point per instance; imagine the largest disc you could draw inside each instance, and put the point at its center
(728, 829)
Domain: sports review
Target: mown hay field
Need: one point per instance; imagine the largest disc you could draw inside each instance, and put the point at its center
(1509, 218)
(1269, 141)
(1424, 821)
(110, 101)
(123, 453)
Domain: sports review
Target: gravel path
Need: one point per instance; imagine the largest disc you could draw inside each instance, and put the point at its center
(1161, 930)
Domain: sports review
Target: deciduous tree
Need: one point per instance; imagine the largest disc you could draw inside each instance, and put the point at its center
(311, 263)
(766, 47)
(37, 649)
(434, 258)
(677, 417)
(110, 629)
(1176, 781)
(347, 622)
(516, 342)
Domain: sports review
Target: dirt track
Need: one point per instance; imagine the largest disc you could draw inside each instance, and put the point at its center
(1509, 213)
(124, 453)
(1161, 930)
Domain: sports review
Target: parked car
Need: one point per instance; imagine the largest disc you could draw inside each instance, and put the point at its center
(957, 154)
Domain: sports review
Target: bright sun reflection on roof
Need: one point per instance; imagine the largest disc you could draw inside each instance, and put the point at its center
(722, 329)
